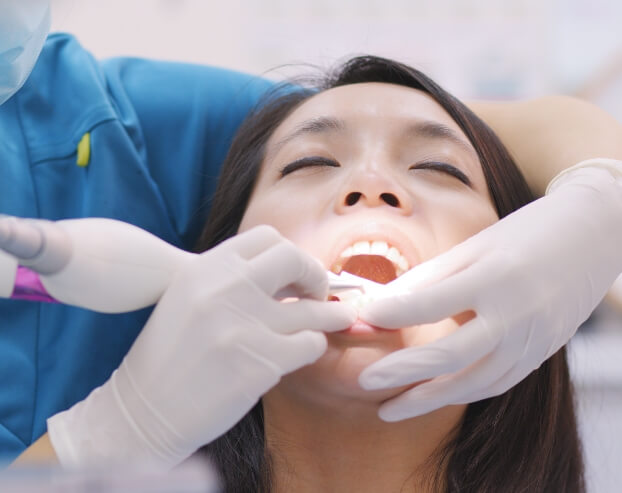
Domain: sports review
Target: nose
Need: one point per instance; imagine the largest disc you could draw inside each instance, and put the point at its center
(374, 189)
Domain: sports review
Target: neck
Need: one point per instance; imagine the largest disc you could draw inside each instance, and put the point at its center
(348, 448)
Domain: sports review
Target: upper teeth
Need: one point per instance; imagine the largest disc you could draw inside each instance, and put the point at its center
(381, 248)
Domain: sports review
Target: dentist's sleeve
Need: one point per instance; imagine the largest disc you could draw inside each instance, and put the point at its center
(186, 116)
(154, 150)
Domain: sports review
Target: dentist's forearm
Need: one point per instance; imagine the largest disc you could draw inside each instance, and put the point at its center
(549, 134)
(40, 452)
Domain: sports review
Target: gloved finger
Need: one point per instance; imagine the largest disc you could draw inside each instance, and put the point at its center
(509, 379)
(293, 351)
(249, 339)
(307, 314)
(468, 344)
(41, 245)
(412, 403)
(444, 299)
(434, 270)
(459, 388)
(254, 241)
(505, 367)
(283, 265)
(20, 238)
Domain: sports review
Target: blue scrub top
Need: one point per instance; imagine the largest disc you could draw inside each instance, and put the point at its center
(158, 134)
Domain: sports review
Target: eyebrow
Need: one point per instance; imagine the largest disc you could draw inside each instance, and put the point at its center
(429, 129)
(439, 131)
(324, 124)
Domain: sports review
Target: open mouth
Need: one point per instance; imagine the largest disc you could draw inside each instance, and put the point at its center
(377, 261)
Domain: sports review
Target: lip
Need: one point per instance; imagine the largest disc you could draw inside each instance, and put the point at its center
(361, 328)
(375, 231)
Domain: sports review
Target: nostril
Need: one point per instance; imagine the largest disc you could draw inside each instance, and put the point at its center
(390, 199)
(353, 198)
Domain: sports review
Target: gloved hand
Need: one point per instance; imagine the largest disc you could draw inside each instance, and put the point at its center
(532, 278)
(214, 344)
(96, 263)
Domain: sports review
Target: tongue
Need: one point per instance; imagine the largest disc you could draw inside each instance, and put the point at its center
(373, 267)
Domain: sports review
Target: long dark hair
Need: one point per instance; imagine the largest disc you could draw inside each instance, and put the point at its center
(524, 440)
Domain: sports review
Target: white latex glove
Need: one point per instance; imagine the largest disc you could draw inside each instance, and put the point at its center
(532, 278)
(96, 263)
(215, 343)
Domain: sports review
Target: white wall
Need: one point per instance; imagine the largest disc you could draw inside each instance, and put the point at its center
(482, 48)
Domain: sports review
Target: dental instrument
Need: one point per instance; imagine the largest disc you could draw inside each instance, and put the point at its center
(75, 262)
(337, 284)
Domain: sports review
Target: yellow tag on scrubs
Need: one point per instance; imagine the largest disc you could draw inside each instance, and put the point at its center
(84, 150)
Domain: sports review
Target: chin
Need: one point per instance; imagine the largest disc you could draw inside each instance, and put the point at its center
(332, 380)
(347, 365)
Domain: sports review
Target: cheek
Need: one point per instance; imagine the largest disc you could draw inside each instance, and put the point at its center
(271, 210)
(296, 215)
(456, 222)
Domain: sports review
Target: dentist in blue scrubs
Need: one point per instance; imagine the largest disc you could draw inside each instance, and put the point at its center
(142, 141)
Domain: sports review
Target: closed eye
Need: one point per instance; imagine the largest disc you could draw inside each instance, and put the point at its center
(444, 168)
(307, 162)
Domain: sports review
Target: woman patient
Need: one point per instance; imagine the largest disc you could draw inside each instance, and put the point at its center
(374, 170)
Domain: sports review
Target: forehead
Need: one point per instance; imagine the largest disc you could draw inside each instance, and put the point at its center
(367, 104)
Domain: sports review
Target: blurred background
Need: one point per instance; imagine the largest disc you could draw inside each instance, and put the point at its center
(475, 48)
(478, 49)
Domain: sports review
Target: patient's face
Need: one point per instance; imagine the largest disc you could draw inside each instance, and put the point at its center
(373, 179)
